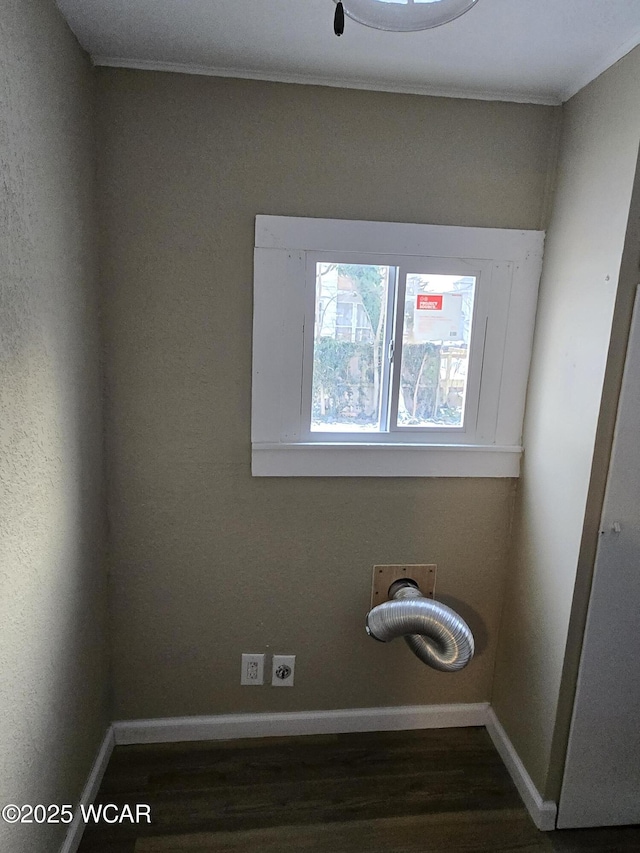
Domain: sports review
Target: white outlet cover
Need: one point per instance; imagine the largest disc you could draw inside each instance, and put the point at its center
(283, 670)
(252, 672)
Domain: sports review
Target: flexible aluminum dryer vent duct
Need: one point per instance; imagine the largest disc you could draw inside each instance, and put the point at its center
(434, 632)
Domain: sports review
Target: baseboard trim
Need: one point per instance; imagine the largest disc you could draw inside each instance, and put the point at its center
(234, 726)
(543, 812)
(89, 792)
(231, 726)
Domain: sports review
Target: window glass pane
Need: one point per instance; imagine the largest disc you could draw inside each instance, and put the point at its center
(349, 334)
(436, 333)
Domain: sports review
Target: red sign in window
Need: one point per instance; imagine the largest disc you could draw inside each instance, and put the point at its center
(429, 302)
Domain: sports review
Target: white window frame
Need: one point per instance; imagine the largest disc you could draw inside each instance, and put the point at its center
(507, 265)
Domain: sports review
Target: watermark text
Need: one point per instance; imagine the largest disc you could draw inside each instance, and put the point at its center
(110, 813)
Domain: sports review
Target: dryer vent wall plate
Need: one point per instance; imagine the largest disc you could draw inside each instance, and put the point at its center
(383, 576)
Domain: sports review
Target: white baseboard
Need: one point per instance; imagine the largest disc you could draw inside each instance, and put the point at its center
(543, 812)
(230, 726)
(76, 827)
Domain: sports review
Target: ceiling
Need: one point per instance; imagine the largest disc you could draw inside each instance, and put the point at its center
(541, 51)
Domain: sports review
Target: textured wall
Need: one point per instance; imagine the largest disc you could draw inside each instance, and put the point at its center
(208, 562)
(583, 254)
(52, 606)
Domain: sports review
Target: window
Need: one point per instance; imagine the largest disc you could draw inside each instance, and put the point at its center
(391, 347)
(383, 349)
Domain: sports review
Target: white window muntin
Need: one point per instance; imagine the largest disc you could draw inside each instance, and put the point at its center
(478, 421)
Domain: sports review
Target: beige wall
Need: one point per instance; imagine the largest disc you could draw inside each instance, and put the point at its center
(208, 562)
(52, 608)
(581, 281)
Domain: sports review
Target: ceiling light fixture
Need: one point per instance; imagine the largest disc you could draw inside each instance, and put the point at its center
(400, 15)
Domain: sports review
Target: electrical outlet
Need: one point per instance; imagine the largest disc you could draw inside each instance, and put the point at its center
(252, 669)
(283, 670)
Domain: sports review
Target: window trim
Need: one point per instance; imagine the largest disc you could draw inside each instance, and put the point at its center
(280, 446)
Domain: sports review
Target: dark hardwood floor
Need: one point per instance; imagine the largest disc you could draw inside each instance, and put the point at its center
(435, 791)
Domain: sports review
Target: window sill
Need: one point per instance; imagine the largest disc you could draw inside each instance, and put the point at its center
(384, 460)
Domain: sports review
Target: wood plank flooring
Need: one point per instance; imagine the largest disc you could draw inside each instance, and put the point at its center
(435, 791)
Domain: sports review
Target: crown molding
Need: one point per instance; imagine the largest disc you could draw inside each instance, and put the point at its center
(548, 99)
(582, 80)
